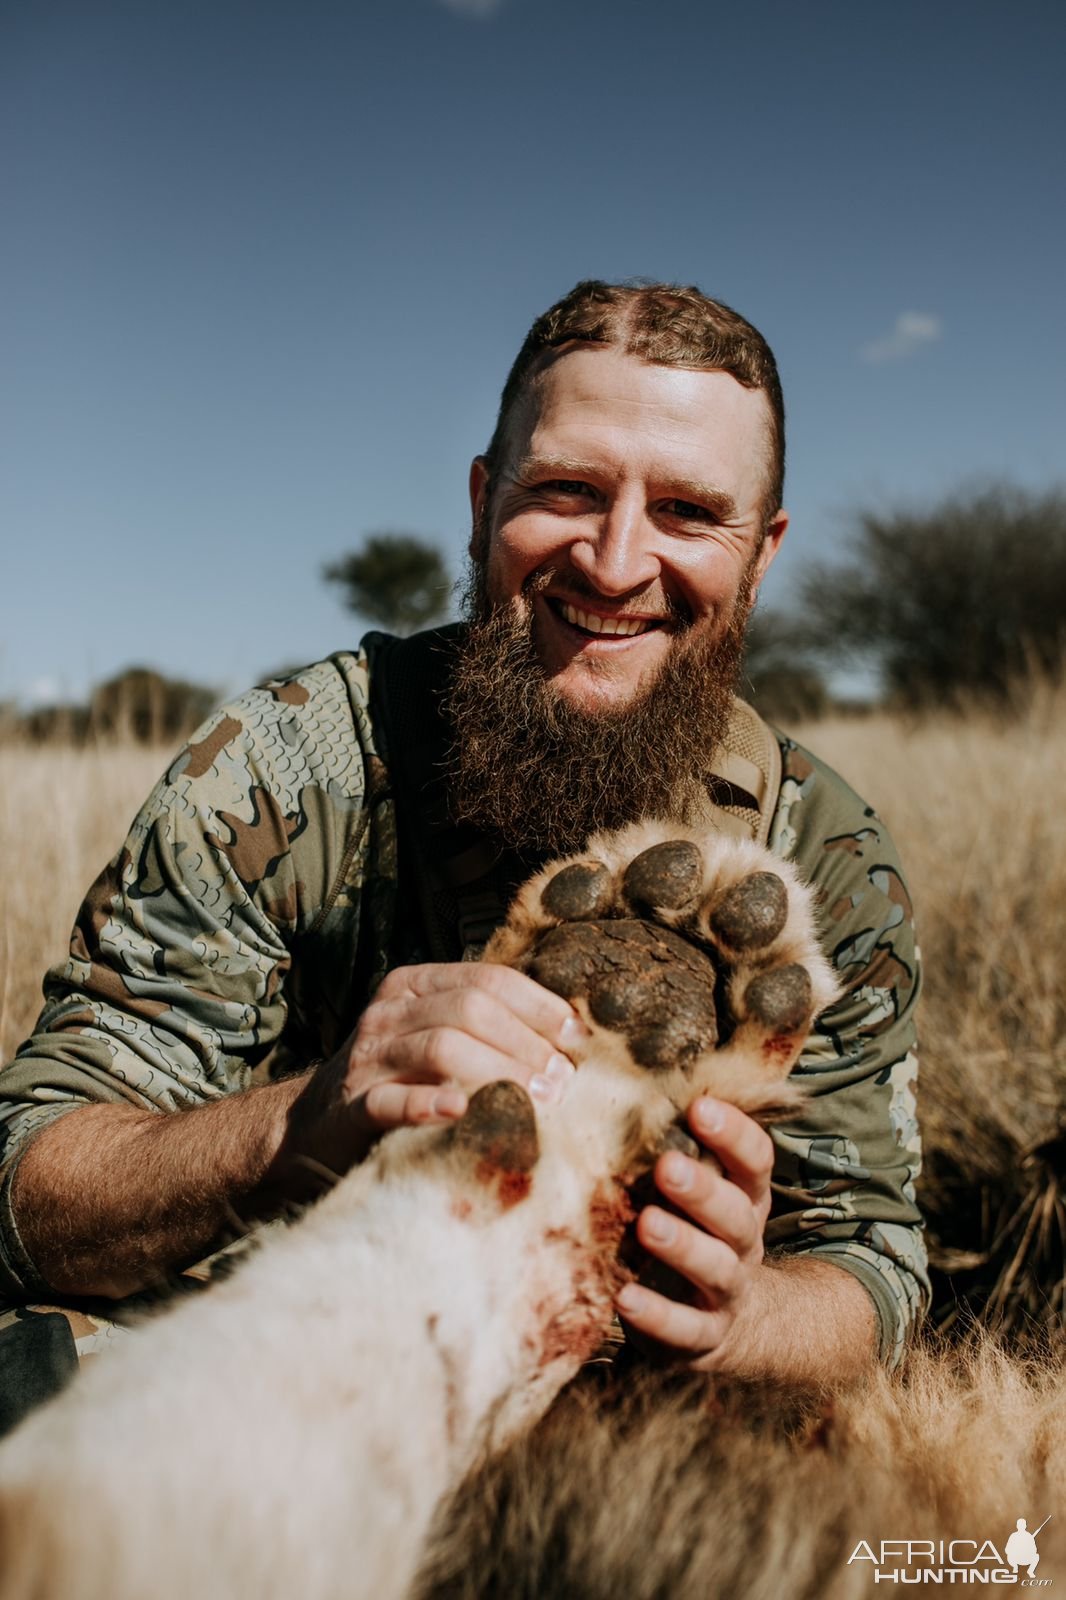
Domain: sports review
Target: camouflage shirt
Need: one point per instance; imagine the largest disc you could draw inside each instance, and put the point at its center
(260, 897)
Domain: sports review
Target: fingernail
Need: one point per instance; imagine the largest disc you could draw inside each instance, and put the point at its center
(560, 1071)
(708, 1114)
(630, 1299)
(660, 1227)
(542, 1088)
(574, 1031)
(449, 1103)
(677, 1172)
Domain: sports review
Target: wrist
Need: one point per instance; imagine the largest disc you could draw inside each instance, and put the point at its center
(756, 1310)
(799, 1321)
(323, 1133)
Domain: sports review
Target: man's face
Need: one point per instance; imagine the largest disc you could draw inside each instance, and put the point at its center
(626, 514)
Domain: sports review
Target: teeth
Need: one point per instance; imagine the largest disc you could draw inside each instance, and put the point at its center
(612, 626)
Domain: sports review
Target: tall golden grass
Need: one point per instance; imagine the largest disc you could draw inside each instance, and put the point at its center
(63, 814)
(976, 806)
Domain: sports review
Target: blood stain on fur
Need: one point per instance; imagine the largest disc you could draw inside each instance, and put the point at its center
(610, 1213)
(511, 1186)
(577, 1330)
(779, 1048)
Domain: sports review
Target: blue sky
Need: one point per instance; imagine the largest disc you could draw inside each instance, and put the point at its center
(265, 264)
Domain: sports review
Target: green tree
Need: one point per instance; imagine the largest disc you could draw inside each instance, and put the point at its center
(395, 579)
(958, 602)
(779, 677)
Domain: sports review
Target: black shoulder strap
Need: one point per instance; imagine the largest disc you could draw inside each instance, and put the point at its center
(456, 873)
(452, 869)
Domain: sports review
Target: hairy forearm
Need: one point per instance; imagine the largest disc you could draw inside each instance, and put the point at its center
(802, 1321)
(109, 1197)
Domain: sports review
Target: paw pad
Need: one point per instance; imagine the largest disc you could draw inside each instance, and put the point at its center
(665, 877)
(781, 998)
(577, 892)
(694, 951)
(752, 913)
(638, 979)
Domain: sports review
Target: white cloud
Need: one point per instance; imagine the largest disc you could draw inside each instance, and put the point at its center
(43, 691)
(912, 329)
(481, 9)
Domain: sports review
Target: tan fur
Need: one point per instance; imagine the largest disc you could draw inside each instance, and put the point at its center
(690, 1489)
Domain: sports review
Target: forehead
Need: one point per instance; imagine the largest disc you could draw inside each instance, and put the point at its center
(596, 404)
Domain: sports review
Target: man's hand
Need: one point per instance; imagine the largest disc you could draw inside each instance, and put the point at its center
(795, 1319)
(431, 1036)
(719, 1250)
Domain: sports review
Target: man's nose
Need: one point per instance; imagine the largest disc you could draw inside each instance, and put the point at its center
(618, 554)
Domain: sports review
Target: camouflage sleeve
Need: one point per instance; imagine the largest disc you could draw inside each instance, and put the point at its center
(174, 988)
(846, 1166)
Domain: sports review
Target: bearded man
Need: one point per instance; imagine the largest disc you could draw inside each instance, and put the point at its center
(278, 950)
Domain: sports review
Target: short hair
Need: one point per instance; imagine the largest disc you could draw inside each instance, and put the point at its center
(668, 324)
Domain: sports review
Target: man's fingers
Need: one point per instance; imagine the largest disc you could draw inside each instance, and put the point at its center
(461, 1025)
(716, 1204)
(745, 1150)
(392, 1105)
(679, 1326)
(442, 1052)
(547, 1014)
(709, 1264)
(473, 1013)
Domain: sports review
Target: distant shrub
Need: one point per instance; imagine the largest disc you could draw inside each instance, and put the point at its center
(395, 579)
(954, 603)
(145, 706)
(62, 724)
(779, 677)
(138, 706)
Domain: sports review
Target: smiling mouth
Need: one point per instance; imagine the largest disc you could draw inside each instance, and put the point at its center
(596, 627)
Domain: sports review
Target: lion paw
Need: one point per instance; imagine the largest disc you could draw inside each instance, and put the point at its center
(696, 953)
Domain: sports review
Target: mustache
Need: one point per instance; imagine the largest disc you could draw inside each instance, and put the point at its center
(577, 587)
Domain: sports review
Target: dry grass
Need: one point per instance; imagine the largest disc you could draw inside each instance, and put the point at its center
(974, 804)
(63, 814)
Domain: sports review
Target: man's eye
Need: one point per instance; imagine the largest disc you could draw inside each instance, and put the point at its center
(689, 511)
(567, 486)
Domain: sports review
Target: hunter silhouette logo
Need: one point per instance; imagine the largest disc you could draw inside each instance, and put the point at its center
(956, 1560)
(1021, 1547)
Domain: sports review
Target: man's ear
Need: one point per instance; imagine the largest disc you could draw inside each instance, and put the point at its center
(775, 532)
(479, 490)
